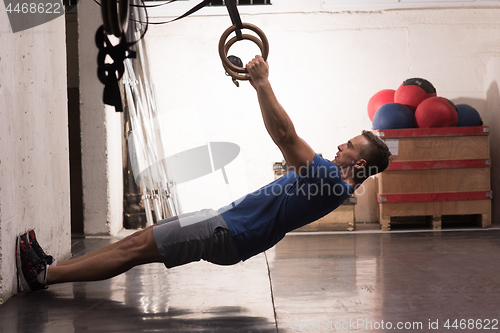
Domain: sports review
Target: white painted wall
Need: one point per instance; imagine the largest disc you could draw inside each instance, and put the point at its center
(34, 161)
(492, 112)
(324, 68)
(101, 133)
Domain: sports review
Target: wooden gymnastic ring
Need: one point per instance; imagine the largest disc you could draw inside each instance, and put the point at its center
(224, 48)
(233, 74)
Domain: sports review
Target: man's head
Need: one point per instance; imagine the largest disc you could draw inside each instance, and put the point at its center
(365, 154)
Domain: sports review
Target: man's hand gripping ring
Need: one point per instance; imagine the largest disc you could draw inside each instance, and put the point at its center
(224, 47)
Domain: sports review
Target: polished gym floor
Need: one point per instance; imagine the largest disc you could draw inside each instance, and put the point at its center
(363, 281)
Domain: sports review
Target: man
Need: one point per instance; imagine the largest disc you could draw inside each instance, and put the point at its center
(236, 232)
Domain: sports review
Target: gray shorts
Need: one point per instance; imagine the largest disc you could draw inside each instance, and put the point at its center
(195, 236)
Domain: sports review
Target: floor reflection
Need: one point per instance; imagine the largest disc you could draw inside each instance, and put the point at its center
(343, 282)
(385, 282)
(198, 297)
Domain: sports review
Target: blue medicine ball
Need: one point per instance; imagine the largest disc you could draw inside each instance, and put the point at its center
(468, 116)
(392, 116)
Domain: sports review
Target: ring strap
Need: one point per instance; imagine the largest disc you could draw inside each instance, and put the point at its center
(235, 17)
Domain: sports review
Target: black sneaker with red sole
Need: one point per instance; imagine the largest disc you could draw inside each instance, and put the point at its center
(38, 249)
(29, 265)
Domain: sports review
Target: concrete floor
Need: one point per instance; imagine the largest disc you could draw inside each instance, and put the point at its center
(363, 281)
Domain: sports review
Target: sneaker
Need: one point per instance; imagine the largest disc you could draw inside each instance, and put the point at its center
(38, 249)
(29, 266)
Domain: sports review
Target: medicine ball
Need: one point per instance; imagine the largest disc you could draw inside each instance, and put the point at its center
(382, 97)
(392, 116)
(436, 112)
(468, 116)
(413, 91)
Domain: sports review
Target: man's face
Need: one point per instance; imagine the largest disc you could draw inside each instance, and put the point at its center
(348, 153)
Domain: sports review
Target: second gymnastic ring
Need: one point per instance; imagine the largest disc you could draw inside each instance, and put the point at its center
(228, 45)
(224, 48)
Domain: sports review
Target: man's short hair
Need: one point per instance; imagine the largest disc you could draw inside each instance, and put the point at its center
(376, 154)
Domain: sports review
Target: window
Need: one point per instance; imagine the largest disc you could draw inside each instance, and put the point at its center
(368, 4)
(218, 7)
(241, 2)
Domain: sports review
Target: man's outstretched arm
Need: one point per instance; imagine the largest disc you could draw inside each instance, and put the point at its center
(297, 153)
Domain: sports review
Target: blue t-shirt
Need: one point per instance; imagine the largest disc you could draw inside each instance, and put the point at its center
(261, 219)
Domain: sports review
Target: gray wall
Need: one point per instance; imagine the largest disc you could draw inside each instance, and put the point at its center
(34, 148)
(34, 168)
(101, 134)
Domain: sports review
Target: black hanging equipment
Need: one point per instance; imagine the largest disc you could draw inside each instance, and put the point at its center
(235, 17)
(115, 21)
(110, 73)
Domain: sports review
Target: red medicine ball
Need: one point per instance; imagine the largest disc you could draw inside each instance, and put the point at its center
(436, 112)
(382, 97)
(413, 91)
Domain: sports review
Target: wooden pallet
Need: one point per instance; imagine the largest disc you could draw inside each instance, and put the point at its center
(341, 219)
(436, 172)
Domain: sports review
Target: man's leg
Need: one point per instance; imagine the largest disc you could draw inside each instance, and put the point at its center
(138, 250)
(102, 249)
(116, 244)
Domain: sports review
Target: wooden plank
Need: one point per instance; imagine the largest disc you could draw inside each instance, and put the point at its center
(436, 131)
(437, 222)
(425, 197)
(466, 207)
(439, 164)
(318, 226)
(385, 223)
(428, 181)
(442, 148)
(341, 219)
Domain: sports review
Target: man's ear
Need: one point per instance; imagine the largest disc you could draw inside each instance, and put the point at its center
(361, 163)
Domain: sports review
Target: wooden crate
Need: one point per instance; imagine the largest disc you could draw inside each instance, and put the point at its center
(341, 219)
(436, 172)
